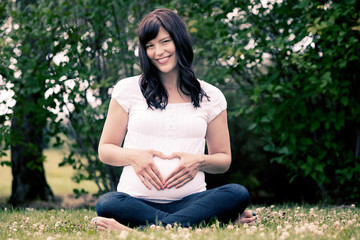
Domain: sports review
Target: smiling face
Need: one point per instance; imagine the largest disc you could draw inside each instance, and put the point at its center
(162, 52)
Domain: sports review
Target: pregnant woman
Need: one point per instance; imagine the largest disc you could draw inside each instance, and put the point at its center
(165, 116)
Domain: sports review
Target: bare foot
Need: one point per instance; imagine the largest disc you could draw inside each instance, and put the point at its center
(102, 223)
(248, 217)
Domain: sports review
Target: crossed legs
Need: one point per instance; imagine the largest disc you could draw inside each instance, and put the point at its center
(119, 211)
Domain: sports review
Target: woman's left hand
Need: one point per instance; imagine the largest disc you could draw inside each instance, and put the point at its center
(186, 170)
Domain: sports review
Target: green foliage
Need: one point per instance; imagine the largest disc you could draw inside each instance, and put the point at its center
(293, 67)
(82, 49)
(304, 101)
(310, 112)
(24, 70)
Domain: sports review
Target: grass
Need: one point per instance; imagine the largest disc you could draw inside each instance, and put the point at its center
(274, 222)
(59, 178)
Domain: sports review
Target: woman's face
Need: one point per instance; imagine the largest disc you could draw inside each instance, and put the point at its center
(162, 52)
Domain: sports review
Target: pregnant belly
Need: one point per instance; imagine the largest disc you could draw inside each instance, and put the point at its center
(166, 166)
(131, 184)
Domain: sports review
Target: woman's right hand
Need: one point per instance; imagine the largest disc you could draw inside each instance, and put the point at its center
(146, 169)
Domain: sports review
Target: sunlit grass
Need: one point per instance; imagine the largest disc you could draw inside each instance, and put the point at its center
(274, 222)
(59, 178)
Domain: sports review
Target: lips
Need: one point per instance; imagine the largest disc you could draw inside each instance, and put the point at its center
(163, 60)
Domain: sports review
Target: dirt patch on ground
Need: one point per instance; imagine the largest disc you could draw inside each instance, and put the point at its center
(85, 201)
(60, 202)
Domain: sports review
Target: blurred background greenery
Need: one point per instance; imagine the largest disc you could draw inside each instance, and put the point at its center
(59, 178)
(289, 70)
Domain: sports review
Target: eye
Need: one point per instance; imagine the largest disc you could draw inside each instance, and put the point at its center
(149, 46)
(166, 41)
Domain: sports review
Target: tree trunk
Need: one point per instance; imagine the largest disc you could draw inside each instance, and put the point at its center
(29, 182)
(27, 127)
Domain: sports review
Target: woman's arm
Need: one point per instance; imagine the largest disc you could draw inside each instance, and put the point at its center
(111, 152)
(218, 144)
(112, 136)
(217, 160)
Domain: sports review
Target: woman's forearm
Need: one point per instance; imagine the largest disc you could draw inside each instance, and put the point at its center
(141, 160)
(215, 163)
(114, 155)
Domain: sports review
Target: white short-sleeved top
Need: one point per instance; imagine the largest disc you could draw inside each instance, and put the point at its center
(178, 128)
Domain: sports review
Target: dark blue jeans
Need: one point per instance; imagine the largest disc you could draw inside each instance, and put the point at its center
(225, 203)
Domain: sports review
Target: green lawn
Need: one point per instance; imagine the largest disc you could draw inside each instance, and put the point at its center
(59, 178)
(274, 222)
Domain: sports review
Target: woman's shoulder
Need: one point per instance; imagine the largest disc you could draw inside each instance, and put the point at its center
(129, 81)
(128, 85)
(216, 103)
(125, 91)
(210, 89)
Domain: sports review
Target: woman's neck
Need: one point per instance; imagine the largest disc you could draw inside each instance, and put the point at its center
(171, 83)
(170, 80)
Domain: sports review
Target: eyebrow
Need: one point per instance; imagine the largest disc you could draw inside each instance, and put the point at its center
(162, 39)
(165, 38)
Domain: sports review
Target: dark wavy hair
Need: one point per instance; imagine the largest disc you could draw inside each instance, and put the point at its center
(151, 86)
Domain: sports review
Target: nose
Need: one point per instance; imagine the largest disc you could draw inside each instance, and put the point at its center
(159, 50)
